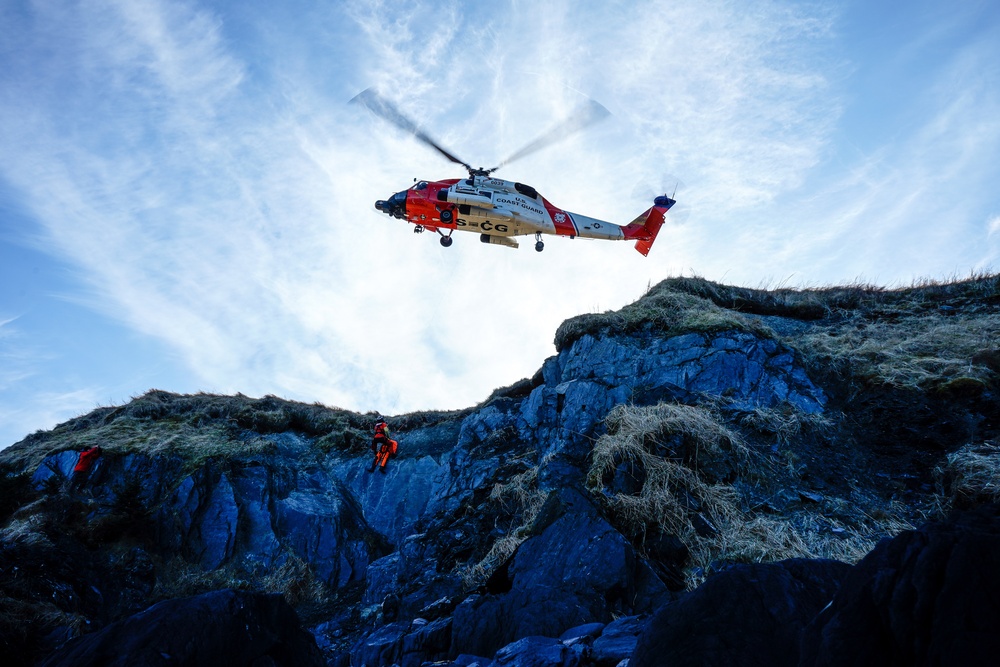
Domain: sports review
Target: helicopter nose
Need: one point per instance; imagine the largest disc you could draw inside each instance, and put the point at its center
(380, 204)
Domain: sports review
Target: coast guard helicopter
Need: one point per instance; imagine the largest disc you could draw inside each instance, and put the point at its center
(500, 210)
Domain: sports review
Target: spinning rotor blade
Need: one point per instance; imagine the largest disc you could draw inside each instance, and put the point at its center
(386, 110)
(668, 185)
(586, 115)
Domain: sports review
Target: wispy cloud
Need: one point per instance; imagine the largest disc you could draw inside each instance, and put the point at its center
(220, 199)
(237, 225)
(42, 410)
(24, 409)
(17, 358)
(914, 206)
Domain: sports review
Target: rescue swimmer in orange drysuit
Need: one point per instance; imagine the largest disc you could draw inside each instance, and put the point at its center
(382, 446)
(81, 471)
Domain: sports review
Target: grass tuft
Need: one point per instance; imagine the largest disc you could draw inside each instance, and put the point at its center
(662, 312)
(969, 477)
(674, 493)
(951, 354)
(194, 428)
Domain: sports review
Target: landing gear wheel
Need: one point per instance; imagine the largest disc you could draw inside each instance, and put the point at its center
(539, 246)
(446, 241)
(446, 216)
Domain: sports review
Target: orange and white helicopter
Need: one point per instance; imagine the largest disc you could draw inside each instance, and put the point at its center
(500, 210)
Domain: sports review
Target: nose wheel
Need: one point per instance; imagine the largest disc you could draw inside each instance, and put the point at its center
(539, 246)
(446, 241)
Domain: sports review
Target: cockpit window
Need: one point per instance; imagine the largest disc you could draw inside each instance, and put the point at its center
(422, 185)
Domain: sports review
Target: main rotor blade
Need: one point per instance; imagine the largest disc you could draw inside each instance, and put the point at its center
(387, 111)
(588, 114)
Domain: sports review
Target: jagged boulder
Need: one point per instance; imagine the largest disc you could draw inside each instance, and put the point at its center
(926, 597)
(536, 651)
(617, 640)
(404, 643)
(220, 628)
(577, 569)
(748, 615)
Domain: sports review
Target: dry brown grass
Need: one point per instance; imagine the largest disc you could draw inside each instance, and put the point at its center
(672, 493)
(913, 352)
(857, 298)
(785, 422)
(521, 494)
(193, 427)
(26, 531)
(294, 579)
(969, 477)
(23, 622)
(677, 497)
(663, 312)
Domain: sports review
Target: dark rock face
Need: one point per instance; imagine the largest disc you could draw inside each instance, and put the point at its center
(534, 651)
(584, 382)
(758, 371)
(220, 628)
(617, 641)
(251, 516)
(404, 643)
(926, 597)
(748, 615)
(578, 570)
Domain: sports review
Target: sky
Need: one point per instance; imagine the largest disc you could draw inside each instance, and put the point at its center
(186, 195)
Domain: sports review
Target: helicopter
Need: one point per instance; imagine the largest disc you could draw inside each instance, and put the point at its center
(501, 210)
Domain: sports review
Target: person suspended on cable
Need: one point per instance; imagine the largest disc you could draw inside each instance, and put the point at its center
(383, 446)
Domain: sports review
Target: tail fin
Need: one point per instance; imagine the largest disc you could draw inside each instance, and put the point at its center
(645, 227)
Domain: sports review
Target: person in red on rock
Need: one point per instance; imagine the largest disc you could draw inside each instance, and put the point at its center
(84, 463)
(382, 446)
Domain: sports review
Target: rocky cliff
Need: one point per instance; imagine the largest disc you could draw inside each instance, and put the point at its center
(662, 451)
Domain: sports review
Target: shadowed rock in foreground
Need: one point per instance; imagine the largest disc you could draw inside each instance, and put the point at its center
(926, 597)
(749, 615)
(219, 628)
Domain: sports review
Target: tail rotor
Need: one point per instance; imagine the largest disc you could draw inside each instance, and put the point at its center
(667, 185)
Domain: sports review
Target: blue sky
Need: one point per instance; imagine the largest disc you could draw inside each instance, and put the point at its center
(186, 196)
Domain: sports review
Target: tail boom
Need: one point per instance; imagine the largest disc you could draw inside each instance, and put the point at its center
(642, 230)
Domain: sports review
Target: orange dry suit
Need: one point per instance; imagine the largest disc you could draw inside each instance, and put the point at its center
(81, 471)
(87, 458)
(382, 446)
